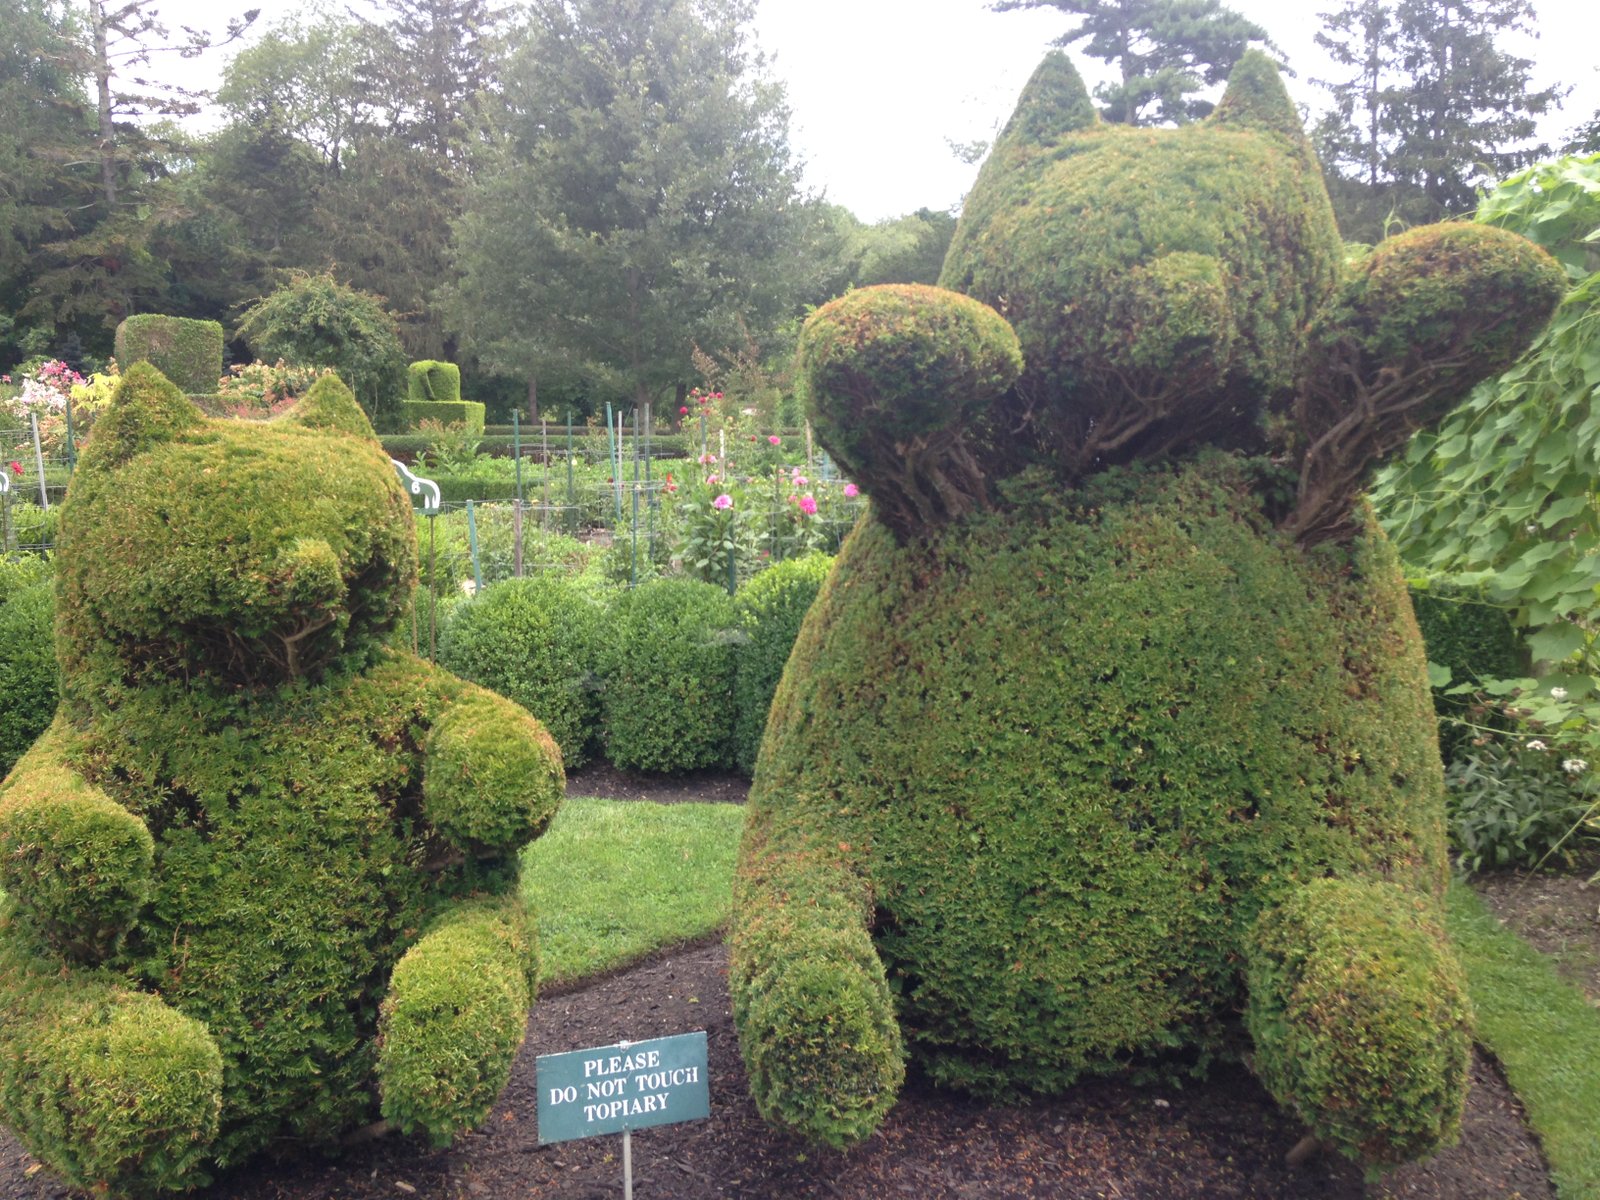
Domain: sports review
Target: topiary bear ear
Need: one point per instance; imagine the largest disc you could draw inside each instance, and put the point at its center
(1256, 99)
(894, 378)
(330, 405)
(1054, 101)
(146, 408)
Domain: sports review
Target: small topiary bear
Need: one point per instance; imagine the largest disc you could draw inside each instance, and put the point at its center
(1111, 723)
(261, 874)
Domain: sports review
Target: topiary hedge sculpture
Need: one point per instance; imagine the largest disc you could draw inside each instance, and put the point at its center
(186, 351)
(260, 872)
(1111, 723)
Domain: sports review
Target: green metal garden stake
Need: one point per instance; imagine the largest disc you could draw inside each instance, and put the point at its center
(516, 450)
(572, 496)
(472, 543)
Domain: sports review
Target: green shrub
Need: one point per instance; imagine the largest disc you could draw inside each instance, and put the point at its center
(1476, 640)
(32, 527)
(771, 607)
(464, 989)
(27, 655)
(823, 1053)
(1360, 1018)
(439, 382)
(1069, 818)
(186, 351)
(1511, 803)
(91, 1055)
(469, 413)
(315, 321)
(536, 641)
(667, 665)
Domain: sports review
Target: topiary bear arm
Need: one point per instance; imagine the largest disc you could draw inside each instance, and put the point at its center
(1416, 324)
(811, 1002)
(77, 864)
(895, 377)
(492, 779)
(119, 1092)
(455, 1016)
(1360, 1018)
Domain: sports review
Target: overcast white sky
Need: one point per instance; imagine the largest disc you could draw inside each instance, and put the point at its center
(876, 87)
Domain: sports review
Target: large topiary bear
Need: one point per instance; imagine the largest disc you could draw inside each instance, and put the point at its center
(261, 873)
(1111, 722)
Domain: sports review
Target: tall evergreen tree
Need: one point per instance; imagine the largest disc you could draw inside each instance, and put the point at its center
(1163, 51)
(1429, 108)
(641, 201)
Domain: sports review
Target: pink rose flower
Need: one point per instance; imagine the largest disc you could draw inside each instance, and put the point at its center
(808, 505)
(851, 490)
(683, 410)
(723, 501)
(773, 438)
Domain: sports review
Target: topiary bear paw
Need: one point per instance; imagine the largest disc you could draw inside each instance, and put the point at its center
(811, 1002)
(454, 1018)
(1360, 1018)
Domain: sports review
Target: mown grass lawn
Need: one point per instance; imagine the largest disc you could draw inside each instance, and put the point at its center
(612, 881)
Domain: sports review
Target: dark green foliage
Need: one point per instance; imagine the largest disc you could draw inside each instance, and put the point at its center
(27, 655)
(535, 641)
(894, 376)
(667, 663)
(494, 777)
(187, 352)
(468, 413)
(1073, 749)
(249, 810)
(1474, 640)
(1339, 976)
(771, 607)
(455, 1017)
(315, 321)
(432, 381)
(1515, 805)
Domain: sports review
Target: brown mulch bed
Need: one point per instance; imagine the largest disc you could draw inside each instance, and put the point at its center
(1559, 914)
(1220, 1139)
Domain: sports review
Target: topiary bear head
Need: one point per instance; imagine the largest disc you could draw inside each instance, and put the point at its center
(1168, 288)
(228, 554)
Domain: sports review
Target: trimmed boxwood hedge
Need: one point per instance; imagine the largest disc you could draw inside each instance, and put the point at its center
(667, 661)
(771, 607)
(186, 351)
(1069, 752)
(27, 655)
(446, 412)
(536, 641)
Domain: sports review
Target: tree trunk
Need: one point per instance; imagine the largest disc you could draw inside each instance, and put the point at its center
(533, 399)
(107, 145)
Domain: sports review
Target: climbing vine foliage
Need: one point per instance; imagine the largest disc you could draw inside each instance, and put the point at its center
(1503, 495)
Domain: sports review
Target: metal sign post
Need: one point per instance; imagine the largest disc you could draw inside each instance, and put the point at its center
(620, 1088)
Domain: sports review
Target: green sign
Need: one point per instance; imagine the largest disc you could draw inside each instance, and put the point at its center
(632, 1085)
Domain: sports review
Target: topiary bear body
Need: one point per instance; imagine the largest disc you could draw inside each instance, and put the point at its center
(1112, 721)
(261, 872)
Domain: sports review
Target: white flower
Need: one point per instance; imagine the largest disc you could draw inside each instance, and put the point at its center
(469, 588)
(1536, 744)
(1574, 766)
(1531, 528)
(1558, 693)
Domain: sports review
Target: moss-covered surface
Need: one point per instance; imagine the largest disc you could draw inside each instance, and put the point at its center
(247, 811)
(186, 351)
(1069, 753)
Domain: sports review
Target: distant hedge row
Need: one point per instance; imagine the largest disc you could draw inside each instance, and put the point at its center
(670, 676)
